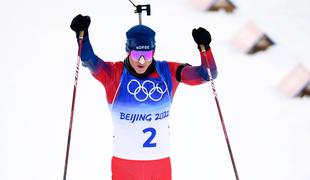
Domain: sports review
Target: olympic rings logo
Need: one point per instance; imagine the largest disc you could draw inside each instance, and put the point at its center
(141, 93)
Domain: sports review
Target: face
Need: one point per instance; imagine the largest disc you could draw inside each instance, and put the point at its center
(140, 60)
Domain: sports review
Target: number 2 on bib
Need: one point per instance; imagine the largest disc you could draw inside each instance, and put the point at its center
(148, 142)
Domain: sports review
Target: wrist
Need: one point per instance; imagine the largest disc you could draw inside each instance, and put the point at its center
(207, 47)
(77, 33)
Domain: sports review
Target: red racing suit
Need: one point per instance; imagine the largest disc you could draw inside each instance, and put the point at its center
(140, 109)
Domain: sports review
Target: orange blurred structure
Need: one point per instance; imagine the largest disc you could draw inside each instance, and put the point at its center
(251, 39)
(214, 5)
(296, 82)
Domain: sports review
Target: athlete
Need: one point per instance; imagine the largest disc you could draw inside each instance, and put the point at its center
(139, 91)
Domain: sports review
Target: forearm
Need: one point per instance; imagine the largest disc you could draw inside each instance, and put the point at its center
(88, 57)
(194, 75)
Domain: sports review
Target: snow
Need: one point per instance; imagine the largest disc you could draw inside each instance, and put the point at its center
(269, 132)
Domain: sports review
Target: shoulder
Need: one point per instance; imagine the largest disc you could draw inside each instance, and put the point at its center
(108, 71)
(171, 65)
(118, 65)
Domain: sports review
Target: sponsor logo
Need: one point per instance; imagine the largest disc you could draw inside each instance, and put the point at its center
(142, 47)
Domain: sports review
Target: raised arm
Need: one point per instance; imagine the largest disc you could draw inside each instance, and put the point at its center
(194, 75)
(88, 57)
(100, 69)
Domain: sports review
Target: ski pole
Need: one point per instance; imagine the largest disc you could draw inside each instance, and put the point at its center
(81, 35)
(203, 50)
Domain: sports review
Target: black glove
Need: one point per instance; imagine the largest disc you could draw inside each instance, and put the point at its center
(202, 36)
(80, 23)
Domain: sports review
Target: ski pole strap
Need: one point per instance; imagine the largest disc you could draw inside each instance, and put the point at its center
(202, 47)
(81, 35)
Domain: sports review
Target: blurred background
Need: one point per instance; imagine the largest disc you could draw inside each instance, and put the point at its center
(260, 48)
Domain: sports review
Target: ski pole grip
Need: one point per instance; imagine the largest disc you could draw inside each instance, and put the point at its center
(81, 34)
(202, 48)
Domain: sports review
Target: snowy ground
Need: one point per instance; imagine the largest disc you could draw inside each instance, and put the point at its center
(269, 132)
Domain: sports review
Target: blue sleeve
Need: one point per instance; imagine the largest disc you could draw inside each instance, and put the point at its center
(88, 57)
